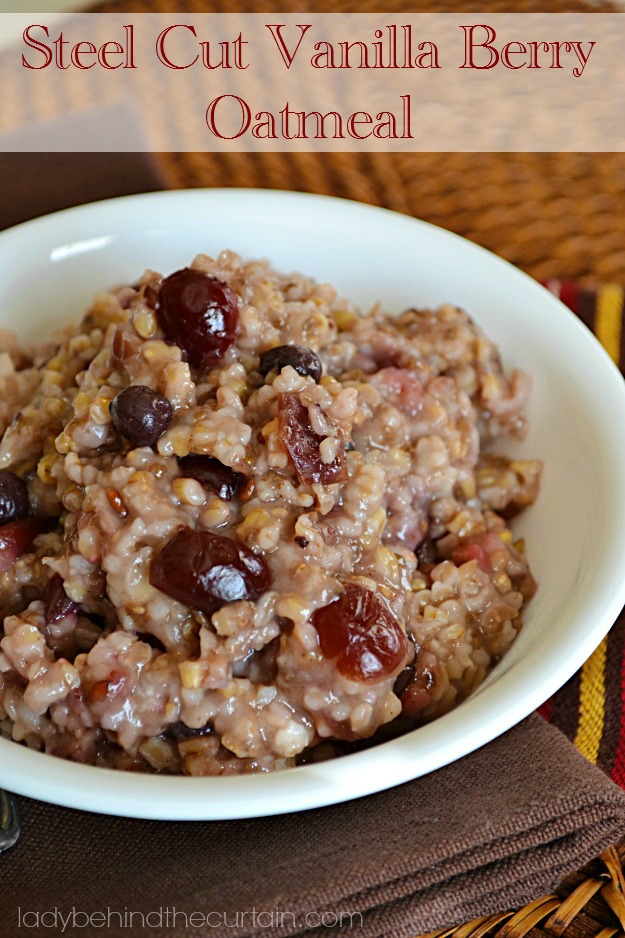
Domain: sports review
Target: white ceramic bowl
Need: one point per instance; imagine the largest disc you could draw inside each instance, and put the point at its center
(49, 270)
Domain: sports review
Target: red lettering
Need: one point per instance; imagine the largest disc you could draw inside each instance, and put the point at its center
(287, 57)
(507, 51)
(38, 46)
(534, 48)
(356, 119)
(160, 46)
(246, 117)
(265, 129)
(58, 49)
(470, 45)
(110, 48)
(80, 48)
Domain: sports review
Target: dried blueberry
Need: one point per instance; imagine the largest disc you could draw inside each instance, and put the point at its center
(141, 414)
(181, 732)
(404, 679)
(13, 497)
(212, 475)
(302, 359)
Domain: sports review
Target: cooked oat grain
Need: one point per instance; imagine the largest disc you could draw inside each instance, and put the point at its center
(306, 526)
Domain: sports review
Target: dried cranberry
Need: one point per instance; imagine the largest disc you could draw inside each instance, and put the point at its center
(302, 359)
(16, 538)
(58, 603)
(213, 475)
(205, 571)
(199, 313)
(13, 497)
(302, 443)
(360, 632)
(141, 414)
(466, 552)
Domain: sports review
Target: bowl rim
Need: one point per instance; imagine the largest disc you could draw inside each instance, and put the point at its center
(529, 682)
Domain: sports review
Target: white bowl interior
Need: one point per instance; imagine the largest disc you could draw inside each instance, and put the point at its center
(50, 269)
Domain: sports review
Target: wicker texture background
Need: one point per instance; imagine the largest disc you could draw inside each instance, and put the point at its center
(554, 215)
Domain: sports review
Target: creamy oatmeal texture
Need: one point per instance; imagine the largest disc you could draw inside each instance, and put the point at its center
(245, 526)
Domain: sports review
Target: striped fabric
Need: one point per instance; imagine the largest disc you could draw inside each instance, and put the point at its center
(590, 708)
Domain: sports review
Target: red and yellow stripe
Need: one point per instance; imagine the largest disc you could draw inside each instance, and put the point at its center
(607, 323)
(592, 704)
(609, 320)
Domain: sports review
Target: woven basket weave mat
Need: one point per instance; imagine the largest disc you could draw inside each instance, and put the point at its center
(556, 215)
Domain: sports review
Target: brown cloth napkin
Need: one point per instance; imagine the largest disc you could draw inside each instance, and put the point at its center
(33, 184)
(487, 833)
(491, 832)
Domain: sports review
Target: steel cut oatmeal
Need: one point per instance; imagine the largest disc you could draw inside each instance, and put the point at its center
(245, 526)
